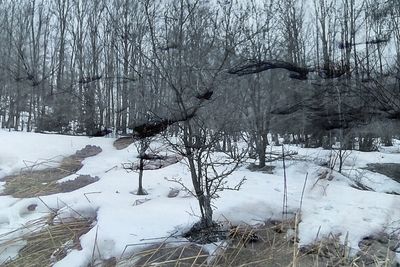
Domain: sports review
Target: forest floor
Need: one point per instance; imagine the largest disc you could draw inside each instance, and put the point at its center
(68, 201)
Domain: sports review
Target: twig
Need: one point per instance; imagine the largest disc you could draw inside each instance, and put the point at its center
(285, 201)
(163, 237)
(66, 205)
(111, 168)
(150, 243)
(184, 187)
(319, 229)
(47, 206)
(85, 194)
(295, 250)
(95, 242)
(302, 192)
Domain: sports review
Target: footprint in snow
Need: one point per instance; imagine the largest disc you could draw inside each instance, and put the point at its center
(25, 210)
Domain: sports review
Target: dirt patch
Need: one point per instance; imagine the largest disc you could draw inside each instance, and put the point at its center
(51, 243)
(32, 183)
(265, 245)
(88, 151)
(79, 182)
(256, 168)
(391, 170)
(123, 142)
(378, 250)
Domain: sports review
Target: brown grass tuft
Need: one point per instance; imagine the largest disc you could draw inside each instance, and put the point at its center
(272, 244)
(46, 243)
(32, 183)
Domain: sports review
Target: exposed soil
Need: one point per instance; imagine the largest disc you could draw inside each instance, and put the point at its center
(273, 246)
(266, 169)
(391, 170)
(32, 183)
(123, 142)
(377, 249)
(79, 182)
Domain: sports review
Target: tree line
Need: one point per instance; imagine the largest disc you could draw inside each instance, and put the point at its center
(74, 66)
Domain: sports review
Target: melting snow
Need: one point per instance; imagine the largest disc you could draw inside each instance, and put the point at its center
(328, 206)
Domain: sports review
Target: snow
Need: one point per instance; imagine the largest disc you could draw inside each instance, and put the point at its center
(122, 227)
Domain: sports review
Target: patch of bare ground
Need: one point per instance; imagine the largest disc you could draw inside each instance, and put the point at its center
(391, 170)
(271, 244)
(46, 241)
(266, 169)
(123, 142)
(277, 246)
(32, 183)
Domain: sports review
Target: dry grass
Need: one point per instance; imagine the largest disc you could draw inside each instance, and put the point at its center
(32, 183)
(273, 244)
(277, 246)
(46, 242)
(40, 182)
(166, 255)
(272, 247)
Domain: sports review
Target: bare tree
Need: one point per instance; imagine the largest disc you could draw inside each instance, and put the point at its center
(190, 58)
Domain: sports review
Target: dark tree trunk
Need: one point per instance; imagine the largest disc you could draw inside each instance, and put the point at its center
(262, 147)
(140, 190)
(207, 213)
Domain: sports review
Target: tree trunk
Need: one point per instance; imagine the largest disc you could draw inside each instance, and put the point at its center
(140, 190)
(207, 213)
(262, 147)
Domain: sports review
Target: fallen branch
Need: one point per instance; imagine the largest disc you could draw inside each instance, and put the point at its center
(296, 72)
(252, 67)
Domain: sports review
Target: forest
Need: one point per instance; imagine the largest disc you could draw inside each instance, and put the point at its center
(309, 71)
(220, 82)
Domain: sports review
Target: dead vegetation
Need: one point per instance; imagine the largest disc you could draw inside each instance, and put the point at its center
(46, 241)
(166, 255)
(31, 182)
(273, 243)
(270, 244)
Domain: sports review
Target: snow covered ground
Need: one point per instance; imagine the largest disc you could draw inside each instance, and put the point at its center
(328, 206)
